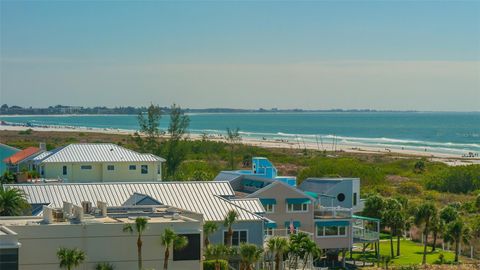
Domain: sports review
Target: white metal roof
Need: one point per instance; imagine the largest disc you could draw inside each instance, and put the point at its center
(201, 197)
(251, 204)
(98, 152)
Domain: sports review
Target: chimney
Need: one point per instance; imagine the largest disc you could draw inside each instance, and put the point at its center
(67, 210)
(103, 208)
(47, 214)
(78, 213)
(43, 146)
(87, 207)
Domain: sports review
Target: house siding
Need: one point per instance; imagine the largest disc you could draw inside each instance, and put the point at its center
(255, 234)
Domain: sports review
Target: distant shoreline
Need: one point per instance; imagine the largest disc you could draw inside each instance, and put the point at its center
(450, 159)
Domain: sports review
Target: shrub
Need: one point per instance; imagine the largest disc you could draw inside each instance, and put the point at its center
(210, 265)
(410, 188)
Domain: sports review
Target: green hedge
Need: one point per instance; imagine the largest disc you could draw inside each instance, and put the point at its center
(210, 265)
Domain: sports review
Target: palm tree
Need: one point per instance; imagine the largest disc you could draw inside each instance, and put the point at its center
(217, 253)
(233, 137)
(209, 227)
(278, 246)
(70, 258)
(230, 219)
(12, 202)
(104, 266)
(140, 227)
(249, 254)
(170, 238)
(423, 216)
(393, 218)
(309, 249)
(457, 232)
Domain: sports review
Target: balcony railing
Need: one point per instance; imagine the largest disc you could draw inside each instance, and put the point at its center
(362, 234)
(332, 212)
(285, 233)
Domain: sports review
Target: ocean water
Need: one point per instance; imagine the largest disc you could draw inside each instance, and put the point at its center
(448, 132)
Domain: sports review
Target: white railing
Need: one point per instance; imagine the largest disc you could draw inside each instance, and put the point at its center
(333, 212)
(365, 234)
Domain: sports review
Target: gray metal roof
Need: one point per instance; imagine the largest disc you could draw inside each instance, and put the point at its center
(251, 204)
(98, 152)
(200, 197)
(227, 176)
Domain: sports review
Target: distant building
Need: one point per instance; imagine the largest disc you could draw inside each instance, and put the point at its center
(20, 160)
(98, 162)
(31, 243)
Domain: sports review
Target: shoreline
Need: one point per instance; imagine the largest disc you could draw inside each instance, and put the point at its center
(450, 159)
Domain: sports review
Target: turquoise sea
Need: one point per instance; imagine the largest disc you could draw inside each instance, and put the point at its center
(448, 132)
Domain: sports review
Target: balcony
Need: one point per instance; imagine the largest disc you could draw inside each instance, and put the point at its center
(322, 212)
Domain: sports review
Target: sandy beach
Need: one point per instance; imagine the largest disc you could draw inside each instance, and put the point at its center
(450, 159)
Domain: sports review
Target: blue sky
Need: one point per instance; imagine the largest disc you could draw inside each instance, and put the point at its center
(242, 54)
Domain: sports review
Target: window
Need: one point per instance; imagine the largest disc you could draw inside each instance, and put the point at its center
(237, 237)
(331, 231)
(341, 197)
(268, 231)
(64, 170)
(86, 167)
(159, 171)
(269, 208)
(132, 167)
(144, 169)
(191, 252)
(354, 199)
(297, 207)
(110, 167)
(9, 258)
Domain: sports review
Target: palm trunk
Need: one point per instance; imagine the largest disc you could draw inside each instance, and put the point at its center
(434, 245)
(207, 242)
(230, 236)
(305, 259)
(425, 243)
(457, 250)
(217, 265)
(139, 252)
(277, 261)
(392, 253)
(398, 245)
(165, 262)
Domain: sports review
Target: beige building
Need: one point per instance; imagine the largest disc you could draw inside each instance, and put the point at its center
(98, 162)
(32, 242)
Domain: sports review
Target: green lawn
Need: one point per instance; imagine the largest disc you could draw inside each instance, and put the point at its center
(410, 253)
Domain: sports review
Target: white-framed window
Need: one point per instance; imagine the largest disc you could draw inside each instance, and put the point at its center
(144, 169)
(159, 169)
(239, 236)
(86, 167)
(269, 231)
(110, 167)
(132, 167)
(297, 207)
(269, 208)
(331, 231)
(64, 170)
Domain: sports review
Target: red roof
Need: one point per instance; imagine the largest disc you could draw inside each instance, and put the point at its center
(21, 155)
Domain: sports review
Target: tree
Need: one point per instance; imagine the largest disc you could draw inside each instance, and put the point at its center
(278, 246)
(209, 227)
(217, 253)
(423, 216)
(297, 247)
(228, 222)
(7, 178)
(104, 266)
(233, 137)
(477, 202)
(140, 227)
(12, 202)
(176, 152)
(394, 218)
(150, 126)
(419, 166)
(249, 254)
(374, 205)
(170, 238)
(457, 232)
(70, 258)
